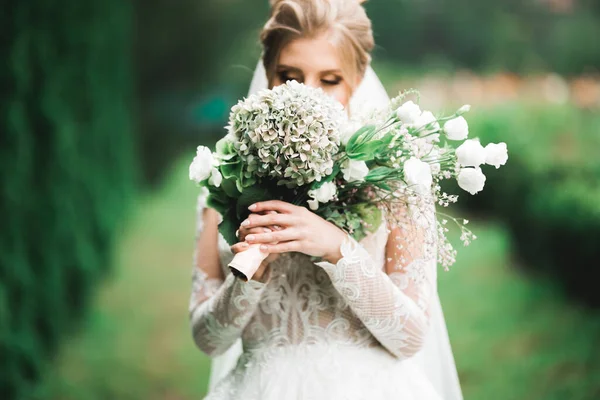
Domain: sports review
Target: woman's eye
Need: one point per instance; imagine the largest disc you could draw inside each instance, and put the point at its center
(283, 77)
(331, 82)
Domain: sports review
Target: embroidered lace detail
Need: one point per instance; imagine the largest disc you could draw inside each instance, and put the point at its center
(377, 295)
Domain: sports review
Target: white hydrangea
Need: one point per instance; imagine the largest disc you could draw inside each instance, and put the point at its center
(289, 133)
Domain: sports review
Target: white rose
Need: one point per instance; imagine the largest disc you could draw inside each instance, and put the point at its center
(457, 129)
(418, 174)
(471, 153)
(215, 178)
(348, 130)
(201, 166)
(423, 121)
(408, 112)
(355, 171)
(496, 154)
(324, 194)
(471, 179)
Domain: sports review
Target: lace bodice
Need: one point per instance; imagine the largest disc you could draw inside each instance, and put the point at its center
(378, 294)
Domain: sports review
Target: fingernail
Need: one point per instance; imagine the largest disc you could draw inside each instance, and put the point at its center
(244, 244)
(252, 207)
(246, 223)
(266, 230)
(264, 247)
(250, 237)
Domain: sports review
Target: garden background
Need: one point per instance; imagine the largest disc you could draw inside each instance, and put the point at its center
(103, 103)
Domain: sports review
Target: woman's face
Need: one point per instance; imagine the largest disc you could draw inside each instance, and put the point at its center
(314, 62)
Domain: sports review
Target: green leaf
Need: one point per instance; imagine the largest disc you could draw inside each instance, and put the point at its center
(328, 178)
(358, 136)
(231, 170)
(229, 225)
(367, 150)
(380, 174)
(250, 196)
(230, 188)
(225, 149)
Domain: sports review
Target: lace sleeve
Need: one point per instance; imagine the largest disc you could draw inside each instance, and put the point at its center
(393, 304)
(219, 308)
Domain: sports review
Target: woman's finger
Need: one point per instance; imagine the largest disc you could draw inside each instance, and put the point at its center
(243, 232)
(269, 220)
(239, 247)
(274, 237)
(276, 205)
(285, 247)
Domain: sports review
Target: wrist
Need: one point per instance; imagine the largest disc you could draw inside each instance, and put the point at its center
(335, 254)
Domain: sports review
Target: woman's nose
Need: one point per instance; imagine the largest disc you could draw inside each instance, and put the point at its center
(312, 82)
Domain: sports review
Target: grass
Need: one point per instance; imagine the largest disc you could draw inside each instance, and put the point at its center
(513, 338)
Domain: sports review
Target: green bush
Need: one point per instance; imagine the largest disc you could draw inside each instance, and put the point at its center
(549, 192)
(66, 170)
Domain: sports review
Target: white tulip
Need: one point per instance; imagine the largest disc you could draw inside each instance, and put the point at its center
(471, 179)
(408, 112)
(201, 166)
(457, 129)
(355, 171)
(471, 153)
(324, 194)
(418, 175)
(496, 154)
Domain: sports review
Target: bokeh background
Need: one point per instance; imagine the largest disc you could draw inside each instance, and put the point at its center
(103, 102)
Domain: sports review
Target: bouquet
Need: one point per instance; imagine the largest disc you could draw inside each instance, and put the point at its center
(295, 143)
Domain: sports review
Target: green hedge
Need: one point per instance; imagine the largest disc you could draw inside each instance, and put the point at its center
(549, 192)
(66, 170)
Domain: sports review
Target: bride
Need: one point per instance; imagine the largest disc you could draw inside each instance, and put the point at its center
(324, 317)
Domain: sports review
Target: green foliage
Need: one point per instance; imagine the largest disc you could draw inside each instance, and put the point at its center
(549, 191)
(512, 35)
(66, 170)
(189, 52)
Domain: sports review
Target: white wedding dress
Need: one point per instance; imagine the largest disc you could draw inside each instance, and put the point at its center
(315, 330)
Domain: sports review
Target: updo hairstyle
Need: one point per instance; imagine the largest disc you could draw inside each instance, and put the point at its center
(344, 21)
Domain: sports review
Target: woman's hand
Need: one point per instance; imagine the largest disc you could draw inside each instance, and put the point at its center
(300, 230)
(242, 232)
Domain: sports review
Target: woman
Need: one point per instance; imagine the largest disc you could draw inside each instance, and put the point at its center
(348, 325)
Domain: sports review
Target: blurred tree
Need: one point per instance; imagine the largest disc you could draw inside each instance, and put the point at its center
(66, 170)
(515, 35)
(185, 51)
(548, 194)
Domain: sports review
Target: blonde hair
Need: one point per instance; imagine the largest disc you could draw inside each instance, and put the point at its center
(345, 21)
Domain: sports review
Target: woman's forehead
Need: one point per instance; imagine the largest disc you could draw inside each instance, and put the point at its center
(314, 55)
